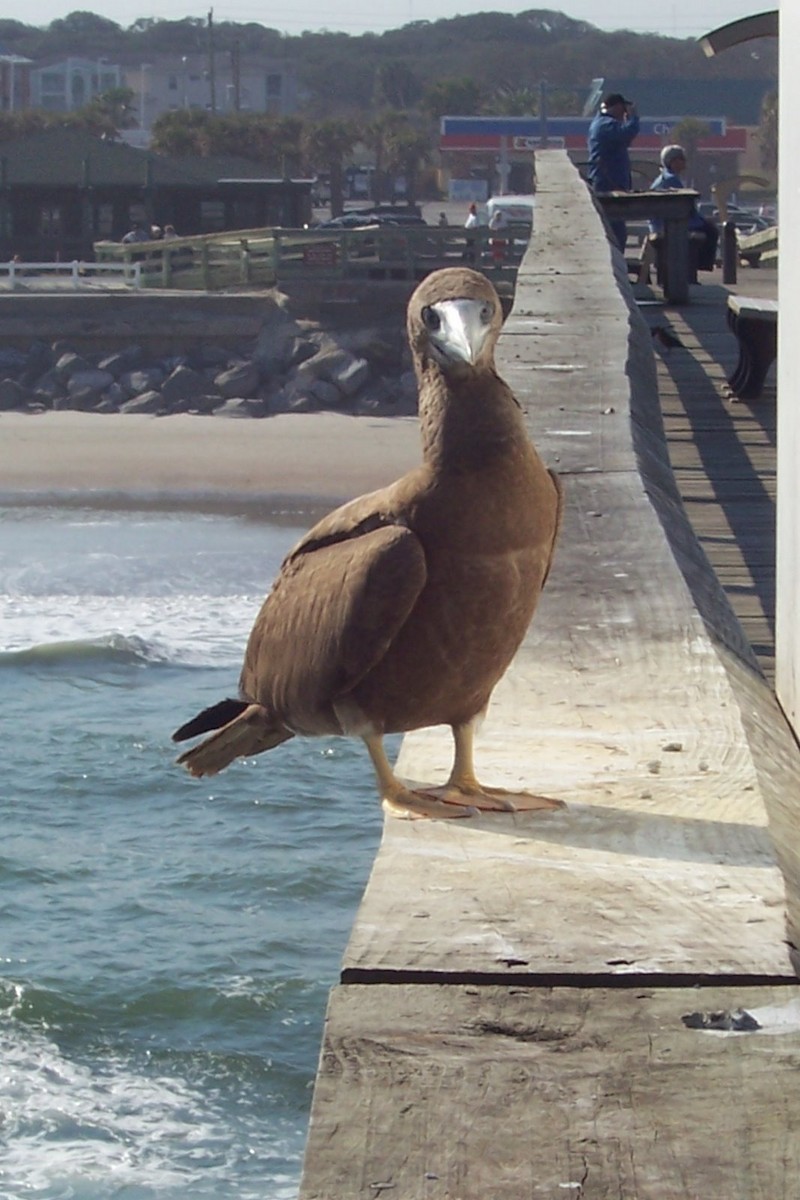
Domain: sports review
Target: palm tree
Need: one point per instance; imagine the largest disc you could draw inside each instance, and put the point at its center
(408, 149)
(178, 133)
(325, 146)
(378, 135)
(689, 133)
(513, 102)
(452, 98)
(117, 105)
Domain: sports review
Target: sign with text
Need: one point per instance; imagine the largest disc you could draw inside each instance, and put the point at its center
(321, 254)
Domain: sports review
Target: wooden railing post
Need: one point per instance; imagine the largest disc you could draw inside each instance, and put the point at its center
(246, 265)
(730, 253)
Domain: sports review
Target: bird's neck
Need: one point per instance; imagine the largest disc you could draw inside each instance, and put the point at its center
(467, 423)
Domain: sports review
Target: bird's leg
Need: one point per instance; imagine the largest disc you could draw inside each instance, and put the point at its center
(400, 800)
(463, 786)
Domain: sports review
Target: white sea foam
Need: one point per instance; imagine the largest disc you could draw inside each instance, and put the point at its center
(72, 1132)
(191, 630)
(188, 587)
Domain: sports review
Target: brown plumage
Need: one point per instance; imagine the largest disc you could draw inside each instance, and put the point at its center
(403, 608)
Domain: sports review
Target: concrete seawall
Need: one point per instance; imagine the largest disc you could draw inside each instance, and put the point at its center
(168, 321)
(525, 1000)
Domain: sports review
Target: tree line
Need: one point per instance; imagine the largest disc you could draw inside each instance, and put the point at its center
(384, 91)
(475, 57)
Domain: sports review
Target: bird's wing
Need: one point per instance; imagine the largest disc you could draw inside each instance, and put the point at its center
(338, 602)
(557, 484)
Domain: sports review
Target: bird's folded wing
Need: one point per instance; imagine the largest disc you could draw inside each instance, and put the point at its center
(364, 513)
(331, 616)
(559, 520)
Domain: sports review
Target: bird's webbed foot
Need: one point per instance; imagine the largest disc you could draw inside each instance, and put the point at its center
(494, 799)
(410, 805)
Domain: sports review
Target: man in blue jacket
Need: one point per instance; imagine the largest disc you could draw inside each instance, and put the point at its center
(610, 134)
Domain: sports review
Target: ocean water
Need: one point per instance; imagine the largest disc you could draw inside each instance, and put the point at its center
(166, 944)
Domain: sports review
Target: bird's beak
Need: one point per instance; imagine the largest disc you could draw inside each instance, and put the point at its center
(464, 325)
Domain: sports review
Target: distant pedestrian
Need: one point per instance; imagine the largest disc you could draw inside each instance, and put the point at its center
(610, 134)
(470, 224)
(169, 233)
(498, 225)
(443, 221)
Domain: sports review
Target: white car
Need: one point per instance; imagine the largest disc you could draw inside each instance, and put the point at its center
(518, 210)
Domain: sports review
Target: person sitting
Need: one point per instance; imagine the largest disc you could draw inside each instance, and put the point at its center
(701, 231)
(137, 233)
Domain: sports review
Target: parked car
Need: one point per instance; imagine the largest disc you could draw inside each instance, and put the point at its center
(518, 210)
(745, 219)
(360, 220)
(349, 220)
(395, 214)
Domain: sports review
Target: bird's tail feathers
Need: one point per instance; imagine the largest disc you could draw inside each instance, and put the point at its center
(251, 732)
(210, 718)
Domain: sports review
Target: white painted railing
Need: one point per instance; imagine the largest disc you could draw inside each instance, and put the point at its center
(78, 272)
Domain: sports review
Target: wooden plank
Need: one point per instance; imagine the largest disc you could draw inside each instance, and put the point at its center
(723, 456)
(429, 1093)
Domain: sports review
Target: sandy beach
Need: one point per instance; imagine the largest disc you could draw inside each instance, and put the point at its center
(321, 456)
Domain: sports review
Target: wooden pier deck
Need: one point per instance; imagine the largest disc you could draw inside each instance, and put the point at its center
(723, 450)
(600, 1001)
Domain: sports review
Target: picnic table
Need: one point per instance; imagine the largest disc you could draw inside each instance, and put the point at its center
(674, 208)
(754, 322)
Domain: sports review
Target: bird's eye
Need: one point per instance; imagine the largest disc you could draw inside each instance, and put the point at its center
(487, 311)
(431, 318)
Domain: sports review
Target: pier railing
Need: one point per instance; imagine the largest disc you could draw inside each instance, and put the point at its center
(76, 271)
(270, 257)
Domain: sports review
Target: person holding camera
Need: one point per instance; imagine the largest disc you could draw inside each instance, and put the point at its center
(610, 134)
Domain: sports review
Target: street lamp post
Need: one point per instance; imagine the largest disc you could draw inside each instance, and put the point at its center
(185, 97)
(143, 95)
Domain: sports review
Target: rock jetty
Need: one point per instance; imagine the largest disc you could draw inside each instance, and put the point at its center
(290, 365)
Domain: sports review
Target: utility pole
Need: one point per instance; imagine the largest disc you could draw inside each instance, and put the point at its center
(212, 75)
(543, 138)
(236, 73)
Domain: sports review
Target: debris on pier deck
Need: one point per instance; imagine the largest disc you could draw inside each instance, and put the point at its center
(598, 1001)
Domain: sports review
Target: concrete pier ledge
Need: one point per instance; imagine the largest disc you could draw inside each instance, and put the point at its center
(577, 1003)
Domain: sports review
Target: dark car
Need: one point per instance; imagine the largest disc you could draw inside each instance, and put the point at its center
(744, 219)
(349, 220)
(395, 214)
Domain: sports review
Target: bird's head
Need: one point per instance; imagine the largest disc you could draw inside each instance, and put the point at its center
(454, 318)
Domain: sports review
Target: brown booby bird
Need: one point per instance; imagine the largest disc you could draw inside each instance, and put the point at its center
(404, 607)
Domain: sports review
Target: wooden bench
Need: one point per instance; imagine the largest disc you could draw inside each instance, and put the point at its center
(755, 325)
(760, 247)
